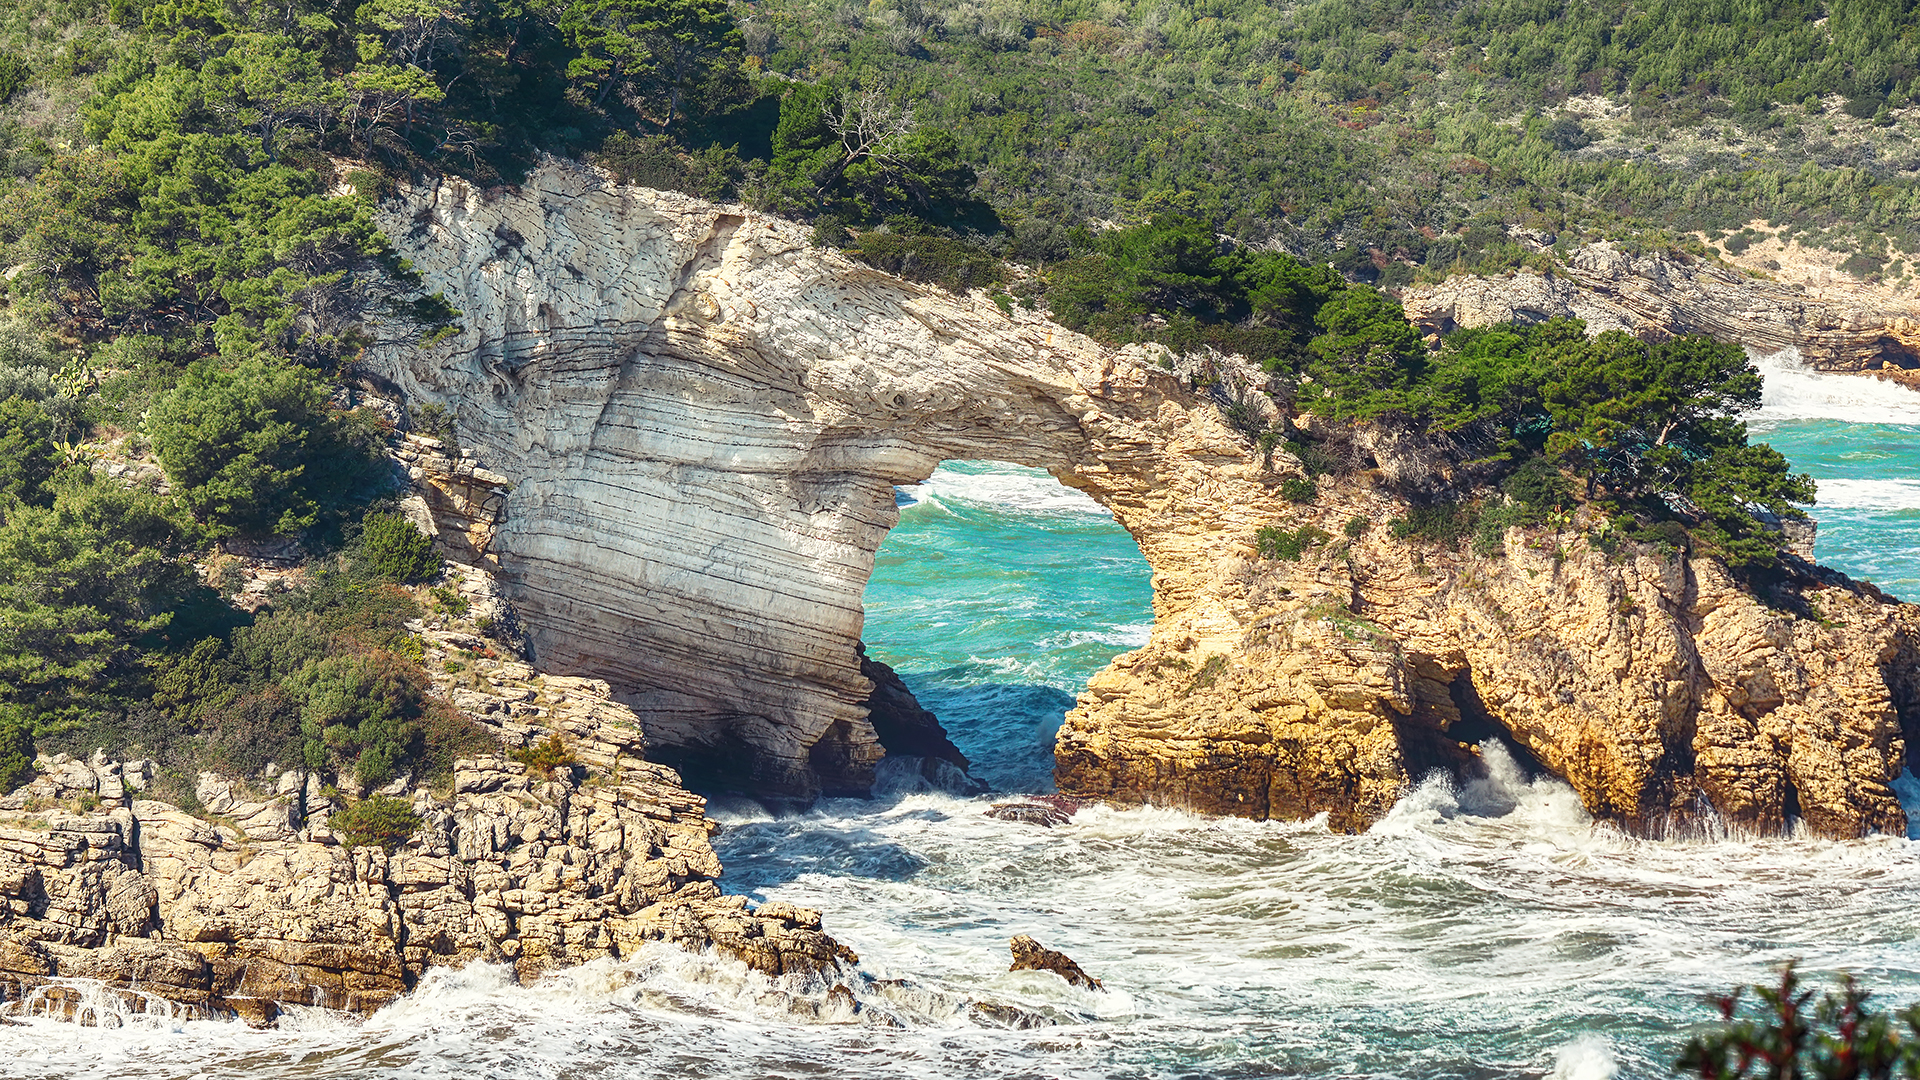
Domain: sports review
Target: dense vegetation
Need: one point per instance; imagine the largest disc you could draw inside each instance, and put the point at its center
(1396, 135)
(192, 265)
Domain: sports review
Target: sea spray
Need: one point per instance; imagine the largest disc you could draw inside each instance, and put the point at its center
(1791, 390)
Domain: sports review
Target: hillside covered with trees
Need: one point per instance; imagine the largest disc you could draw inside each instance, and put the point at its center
(191, 262)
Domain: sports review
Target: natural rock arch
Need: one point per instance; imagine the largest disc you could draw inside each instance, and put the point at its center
(702, 418)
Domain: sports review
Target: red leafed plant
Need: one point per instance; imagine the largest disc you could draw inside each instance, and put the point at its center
(1792, 1037)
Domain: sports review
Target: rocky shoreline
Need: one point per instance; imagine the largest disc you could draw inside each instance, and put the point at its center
(696, 573)
(255, 902)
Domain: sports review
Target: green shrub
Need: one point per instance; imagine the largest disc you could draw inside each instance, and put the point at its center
(438, 421)
(656, 161)
(1862, 265)
(398, 549)
(258, 729)
(1297, 489)
(1490, 530)
(253, 448)
(16, 750)
(359, 712)
(1538, 486)
(1668, 536)
(936, 260)
(1863, 106)
(1277, 542)
(85, 585)
(28, 457)
(446, 735)
(1209, 673)
(1313, 459)
(377, 821)
(1357, 527)
(451, 601)
(544, 757)
(1445, 524)
(14, 74)
(831, 232)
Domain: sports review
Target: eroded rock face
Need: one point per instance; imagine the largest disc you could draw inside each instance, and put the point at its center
(701, 418)
(541, 872)
(1649, 681)
(1834, 328)
(1030, 955)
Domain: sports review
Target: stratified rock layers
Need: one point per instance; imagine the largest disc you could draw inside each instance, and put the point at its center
(1662, 294)
(702, 416)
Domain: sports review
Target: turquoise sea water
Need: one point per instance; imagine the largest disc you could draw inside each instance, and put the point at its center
(998, 594)
(1860, 439)
(1484, 933)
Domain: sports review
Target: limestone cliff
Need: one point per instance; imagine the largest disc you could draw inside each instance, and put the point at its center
(1648, 680)
(1836, 323)
(699, 418)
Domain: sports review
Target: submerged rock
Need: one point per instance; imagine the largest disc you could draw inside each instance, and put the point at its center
(1009, 1016)
(1028, 814)
(1043, 810)
(1030, 955)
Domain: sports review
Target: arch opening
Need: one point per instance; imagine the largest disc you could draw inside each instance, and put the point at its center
(996, 596)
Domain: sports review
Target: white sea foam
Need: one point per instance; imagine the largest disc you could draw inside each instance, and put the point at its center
(1009, 486)
(1131, 636)
(1839, 493)
(1585, 1058)
(1793, 391)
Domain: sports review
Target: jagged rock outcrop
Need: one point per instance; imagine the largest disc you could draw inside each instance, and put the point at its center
(263, 905)
(453, 500)
(1651, 682)
(1661, 295)
(1030, 955)
(702, 417)
(912, 735)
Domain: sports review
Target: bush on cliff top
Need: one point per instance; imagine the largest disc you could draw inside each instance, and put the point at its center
(254, 448)
(376, 821)
(16, 750)
(398, 549)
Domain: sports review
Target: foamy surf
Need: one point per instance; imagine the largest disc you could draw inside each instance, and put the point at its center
(1009, 487)
(1848, 493)
(1793, 391)
(1489, 929)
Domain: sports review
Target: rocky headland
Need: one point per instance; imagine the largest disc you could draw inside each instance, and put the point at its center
(701, 417)
(680, 425)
